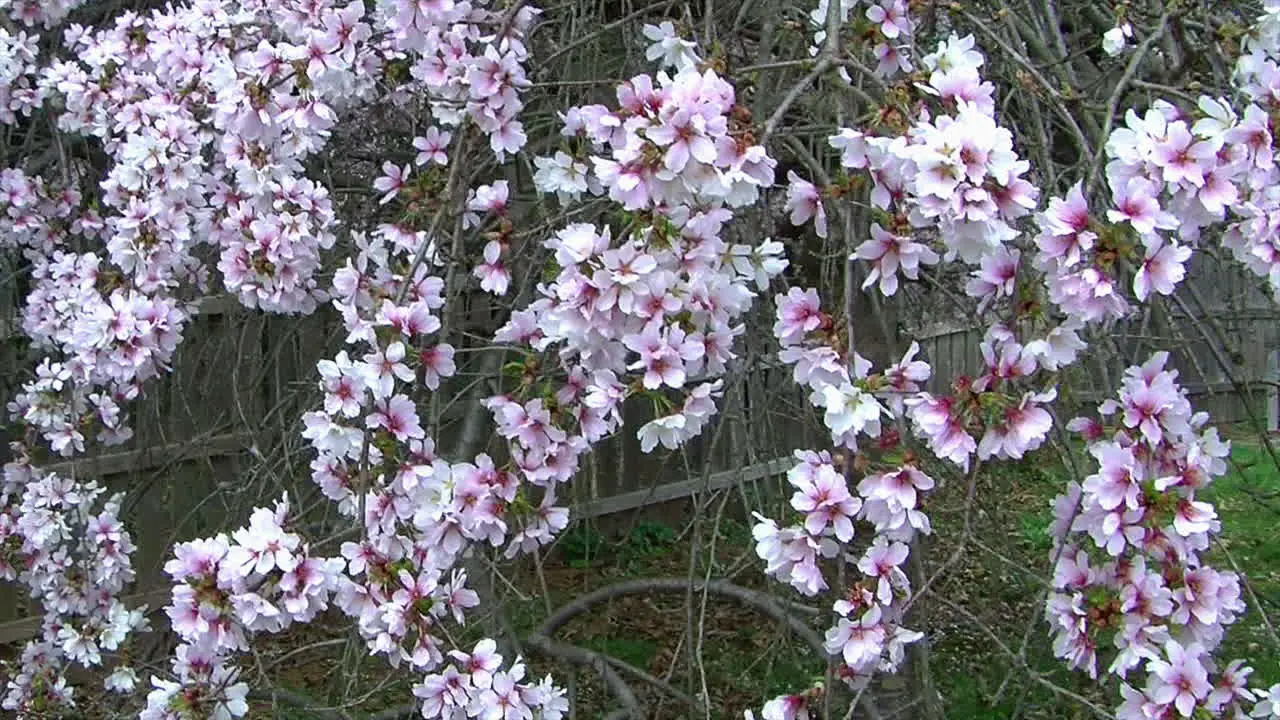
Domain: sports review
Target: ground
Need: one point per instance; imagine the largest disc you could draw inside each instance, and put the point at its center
(992, 599)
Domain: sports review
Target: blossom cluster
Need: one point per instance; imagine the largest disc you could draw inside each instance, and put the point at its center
(207, 114)
(100, 340)
(867, 633)
(44, 13)
(951, 187)
(952, 180)
(1172, 172)
(473, 685)
(673, 141)
(652, 310)
(375, 459)
(655, 309)
(63, 539)
(661, 302)
(660, 306)
(1253, 240)
(891, 28)
(468, 58)
(1130, 581)
(19, 91)
(956, 174)
(219, 162)
(260, 579)
(420, 515)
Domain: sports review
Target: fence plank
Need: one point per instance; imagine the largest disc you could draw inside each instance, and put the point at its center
(682, 488)
(16, 631)
(154, 457)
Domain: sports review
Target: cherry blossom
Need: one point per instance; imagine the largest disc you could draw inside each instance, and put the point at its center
(209, 118)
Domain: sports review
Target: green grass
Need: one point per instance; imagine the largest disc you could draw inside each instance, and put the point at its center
(647, 540)
(1014, 518)
(1248, 504)
(638, 652)
(748, 659)
(581, 546)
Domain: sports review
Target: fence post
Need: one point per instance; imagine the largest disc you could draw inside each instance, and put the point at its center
(1273, 391)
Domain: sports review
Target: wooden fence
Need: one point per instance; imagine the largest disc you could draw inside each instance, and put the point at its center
(955, 352)
(1222, 332)
(220, 433)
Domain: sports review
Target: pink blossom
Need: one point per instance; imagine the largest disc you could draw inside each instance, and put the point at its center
(883, 561)
(1024, 428)
(890, 60)
(1254, 133)
(786, 707)
(891, 16)
(799, 313)
(860, 641)
(436, 363)
(1118, 479)
(1161, 270)
(900, 488)
(888, 253)
(1231, 686)
(431, 147)
(686, 135)
(997, 277)
(392, 181)
(398, 416)
(825, 500)
(1181, 680)
(805, 204)
(493, 274)
(933, 421)
(1181, 157)
(1136, 204)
